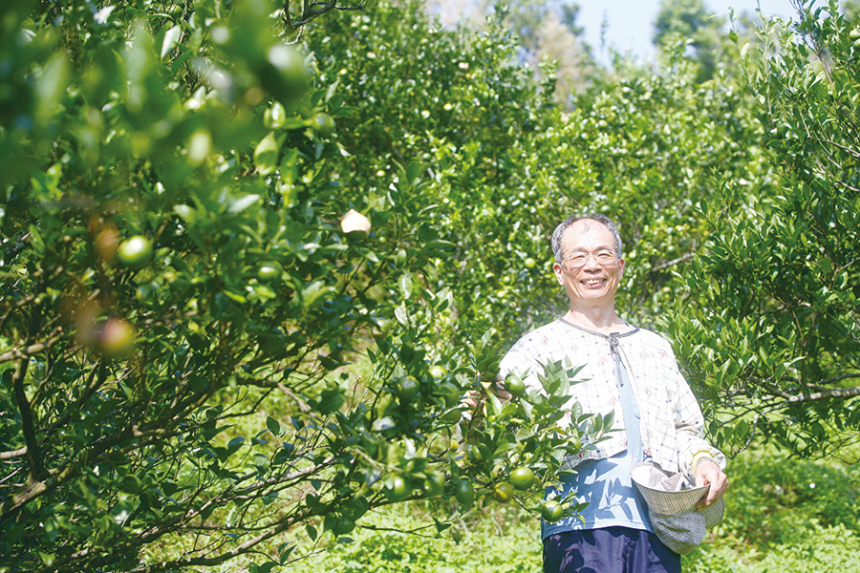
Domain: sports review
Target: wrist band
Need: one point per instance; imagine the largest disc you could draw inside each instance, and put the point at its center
(699, 456)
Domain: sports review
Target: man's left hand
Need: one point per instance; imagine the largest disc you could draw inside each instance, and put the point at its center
(708, 472)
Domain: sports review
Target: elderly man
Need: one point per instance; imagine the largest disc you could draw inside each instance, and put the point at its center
(633, 373)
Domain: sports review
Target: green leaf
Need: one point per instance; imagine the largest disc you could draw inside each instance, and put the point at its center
(273, 426)
(596, 425)
(405, 284)
(36, 240)
(235, 443)
(242, 203)
(266, 154)
(506, 447)
(401, 315)
(330, 401)
(608, 420)
(186, 212)
(494, 404)
(412, 171)
(51, 87)
(171, 38)
(285, 553)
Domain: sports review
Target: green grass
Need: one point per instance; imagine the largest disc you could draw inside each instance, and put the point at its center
(782, 515)
(500, 539)
(785, 515)
(817, 549)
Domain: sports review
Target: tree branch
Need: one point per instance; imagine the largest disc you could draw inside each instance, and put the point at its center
(844, 148)
(27, 422)
(312, 10)
(243, 548)
(826, 394)
(13, 454)
(33, 349)
(837, 379)
(674, 262)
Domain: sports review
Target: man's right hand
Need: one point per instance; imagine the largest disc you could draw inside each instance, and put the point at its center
(708, 472)
(496, 389)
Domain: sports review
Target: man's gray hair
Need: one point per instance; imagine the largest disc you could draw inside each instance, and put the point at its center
(599, 217)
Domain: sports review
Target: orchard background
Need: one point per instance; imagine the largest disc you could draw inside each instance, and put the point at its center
(255, 254)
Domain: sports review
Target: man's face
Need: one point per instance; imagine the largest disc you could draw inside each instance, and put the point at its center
(590, 281)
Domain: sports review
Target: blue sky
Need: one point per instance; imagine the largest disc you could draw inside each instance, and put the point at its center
(630, 22)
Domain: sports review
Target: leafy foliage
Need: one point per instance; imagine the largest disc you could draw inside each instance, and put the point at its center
(772, 330)
(181, 303)
(785, 514)
(689, 22)
(506, 165)
(253, 292)
(775, 494)
(498, 539)
(774, 521)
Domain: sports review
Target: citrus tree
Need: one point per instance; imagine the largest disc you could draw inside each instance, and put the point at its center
(772, 330)
(214, 346)
(506, 164)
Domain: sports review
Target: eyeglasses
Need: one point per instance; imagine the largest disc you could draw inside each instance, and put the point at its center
(579, 259)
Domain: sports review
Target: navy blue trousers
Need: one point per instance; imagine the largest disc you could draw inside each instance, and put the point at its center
(608, 550)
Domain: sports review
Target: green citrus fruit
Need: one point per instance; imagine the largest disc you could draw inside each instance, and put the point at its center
(434, 484)
(464, 491)
(343, 526)
(324, 124)
(522, 478)
(452, 416)
(399, 489)
(503, 492)
(449, 393)
(474, 453)
(551, 511)
(515, 386)
(135, 251)
(530, 263)
(131, 484)
(407, 388)
(382, 327)
(438, 371)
